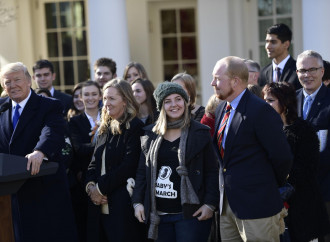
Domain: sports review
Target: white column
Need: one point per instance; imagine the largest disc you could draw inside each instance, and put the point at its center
(315, 26)
(214, 36)
(108, 34)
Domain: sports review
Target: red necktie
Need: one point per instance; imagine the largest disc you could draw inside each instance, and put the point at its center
(222, 129)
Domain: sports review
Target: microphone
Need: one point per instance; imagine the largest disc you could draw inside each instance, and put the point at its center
(4, 107)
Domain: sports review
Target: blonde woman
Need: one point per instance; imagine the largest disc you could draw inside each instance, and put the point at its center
(177, 182)
(115, 159)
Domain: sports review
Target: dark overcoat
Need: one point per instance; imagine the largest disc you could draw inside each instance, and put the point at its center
(121, 161)
(44, 202)
(201, 162)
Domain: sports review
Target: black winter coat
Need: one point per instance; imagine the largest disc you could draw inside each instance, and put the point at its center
(307, 217)
(201, 162)
(121, 161)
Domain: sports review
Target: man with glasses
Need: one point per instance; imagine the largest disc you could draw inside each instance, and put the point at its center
(314, 106)
(283, 66)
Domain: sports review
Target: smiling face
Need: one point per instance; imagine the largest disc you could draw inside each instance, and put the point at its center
(114, 103)
(90, 96)
(275, 48)
(44, 78)
(174, 107)
(310, 82)
(77, 102)
(222, 83)
(102, 75)
(139, 93)
(17, 85)
(132, 74)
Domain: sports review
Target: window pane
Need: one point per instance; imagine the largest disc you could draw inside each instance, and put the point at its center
(58, 74)
(187, 18)
(79, 14)
(264, 60)
(83, 71)
(65, 14)
(265, 7)
(287, 21)
(52, 44)
(67, 43)
(191, 69)
(50, 11)
(68, 72)
(81, 42)
(170, 71)
(188, 45)
(283, 7)
(170, 49)
(263, 26)
(168, 21)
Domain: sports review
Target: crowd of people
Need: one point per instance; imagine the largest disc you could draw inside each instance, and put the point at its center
(139, 163)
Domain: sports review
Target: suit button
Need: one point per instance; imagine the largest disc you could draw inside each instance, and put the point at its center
(222, 185)
(198, 172)
(224, 169)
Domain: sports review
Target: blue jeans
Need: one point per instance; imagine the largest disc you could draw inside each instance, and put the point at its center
(174, 228)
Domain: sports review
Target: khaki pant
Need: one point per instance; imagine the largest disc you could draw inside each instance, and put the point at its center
(234, 229)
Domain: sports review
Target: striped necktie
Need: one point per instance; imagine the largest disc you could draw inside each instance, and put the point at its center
(222, 129)
(278, 74)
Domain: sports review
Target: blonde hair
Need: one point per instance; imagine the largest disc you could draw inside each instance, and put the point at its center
(14, 67)
(125, 91)
(212, 104)
(160, 127)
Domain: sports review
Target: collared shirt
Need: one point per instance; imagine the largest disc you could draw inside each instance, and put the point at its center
(313, 95)
(233, 105)
(22, 104)
(91, 120)
(281, 65)
(52, 90)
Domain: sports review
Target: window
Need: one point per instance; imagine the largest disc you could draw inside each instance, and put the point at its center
(66, 36)
(271, 12)
(178, 38)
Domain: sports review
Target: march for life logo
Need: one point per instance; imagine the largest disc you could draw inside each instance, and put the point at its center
(164, 187)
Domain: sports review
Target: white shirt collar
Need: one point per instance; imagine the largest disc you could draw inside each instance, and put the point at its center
(52, 90)
(22, 103)
(281, 64)
(313, 95)
(90, 119)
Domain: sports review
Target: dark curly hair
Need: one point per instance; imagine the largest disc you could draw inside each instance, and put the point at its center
(286, 95)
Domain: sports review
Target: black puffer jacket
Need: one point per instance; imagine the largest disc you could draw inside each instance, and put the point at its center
(307, 217)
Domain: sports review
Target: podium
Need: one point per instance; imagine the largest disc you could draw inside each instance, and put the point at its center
(13, 174)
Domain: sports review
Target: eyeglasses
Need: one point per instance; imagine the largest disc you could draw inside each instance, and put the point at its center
(311, 71)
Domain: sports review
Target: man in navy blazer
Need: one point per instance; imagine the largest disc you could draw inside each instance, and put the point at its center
(256, 159)
(44, 75)
(278, 41)
(41, 208)
(310, 71)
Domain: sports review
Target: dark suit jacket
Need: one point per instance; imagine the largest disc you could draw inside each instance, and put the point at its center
(65, 99)
(319, 117)
(201, 162)
(256, 161)
(80, 128)
(288, 74)
(44, 202)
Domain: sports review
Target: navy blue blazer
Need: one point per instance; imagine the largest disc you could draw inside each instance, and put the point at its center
(319, 117)
(44, 202)
(288, 74)
(256, 161)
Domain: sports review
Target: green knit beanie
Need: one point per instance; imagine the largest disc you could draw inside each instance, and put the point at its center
(165, 89)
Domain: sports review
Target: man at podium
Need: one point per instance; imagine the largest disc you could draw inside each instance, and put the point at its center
(32, 126)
